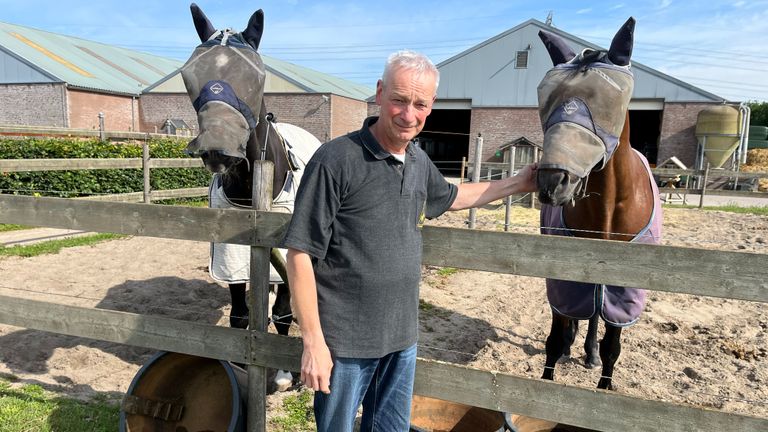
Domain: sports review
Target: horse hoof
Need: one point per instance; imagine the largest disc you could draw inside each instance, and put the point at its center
(592, 364)
(283, 380)
(238, 322)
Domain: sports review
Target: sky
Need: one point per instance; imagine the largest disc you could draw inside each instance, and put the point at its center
(718, 46)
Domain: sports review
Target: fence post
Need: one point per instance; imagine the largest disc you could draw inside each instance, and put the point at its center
(704, 186)
(476, 175)
(535, 159)
(463, 169)
(145, 169)
(263, 173)
(102, 135)
(510, 173)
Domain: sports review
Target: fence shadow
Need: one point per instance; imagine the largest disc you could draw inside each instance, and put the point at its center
(29, 351)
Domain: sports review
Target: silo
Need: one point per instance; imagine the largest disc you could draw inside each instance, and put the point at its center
(719, 130)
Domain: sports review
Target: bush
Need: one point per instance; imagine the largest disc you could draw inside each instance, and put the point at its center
(92, 182)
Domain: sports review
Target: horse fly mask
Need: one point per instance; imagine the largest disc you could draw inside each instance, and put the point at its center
(226, 93)
(578, 107)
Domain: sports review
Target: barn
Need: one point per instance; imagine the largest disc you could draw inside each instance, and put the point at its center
(490, 89)
(53, 80)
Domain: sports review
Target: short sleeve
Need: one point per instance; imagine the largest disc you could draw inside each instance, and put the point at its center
(317, 202)
(440, 193)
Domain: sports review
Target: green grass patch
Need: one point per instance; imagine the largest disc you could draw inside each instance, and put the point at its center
(30, 408)
(186, 202)
(732, 208)
(54, 246)
(12, 227)
(299, 415)
(447, 271)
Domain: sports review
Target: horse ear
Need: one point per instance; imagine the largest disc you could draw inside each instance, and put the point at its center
(203, 26)
(558, 49)
(255, 29)
(621, 46)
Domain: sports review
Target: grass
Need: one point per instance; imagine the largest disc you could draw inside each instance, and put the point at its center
(29, 408)
(447, 271)
(299, 414)
(732, 208)
(54, 246)
(12, 227)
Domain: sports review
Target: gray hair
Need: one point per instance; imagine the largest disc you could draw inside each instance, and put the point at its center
(410, 60)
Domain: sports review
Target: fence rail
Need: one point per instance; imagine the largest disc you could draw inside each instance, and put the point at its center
(665, 268)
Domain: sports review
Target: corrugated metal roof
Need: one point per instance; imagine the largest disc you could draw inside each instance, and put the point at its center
(85, 64)
(305, 79)
(92, 65)
(485, 73)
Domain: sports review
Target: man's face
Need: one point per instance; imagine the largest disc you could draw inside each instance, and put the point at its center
(406, 101)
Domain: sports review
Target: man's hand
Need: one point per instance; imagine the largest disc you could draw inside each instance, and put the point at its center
(316, 365)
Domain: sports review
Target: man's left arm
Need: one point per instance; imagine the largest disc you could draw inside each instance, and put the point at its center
(477, 194)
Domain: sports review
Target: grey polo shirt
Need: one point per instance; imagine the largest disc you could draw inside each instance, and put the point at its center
(358, 212)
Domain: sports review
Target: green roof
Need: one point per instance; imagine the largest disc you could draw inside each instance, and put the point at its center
(308, 80)
(96, 66)
(82, 63)
(316, 82)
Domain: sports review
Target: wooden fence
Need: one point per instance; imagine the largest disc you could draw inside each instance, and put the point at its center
(723, 274)
(146, 164)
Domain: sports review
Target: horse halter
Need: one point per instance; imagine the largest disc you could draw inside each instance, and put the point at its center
(225, 79)
(582, 107)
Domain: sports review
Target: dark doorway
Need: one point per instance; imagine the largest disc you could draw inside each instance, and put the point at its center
(445, 138)
(644, 132)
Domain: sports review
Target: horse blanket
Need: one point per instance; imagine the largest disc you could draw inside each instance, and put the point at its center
(619, 306)
(231, 263)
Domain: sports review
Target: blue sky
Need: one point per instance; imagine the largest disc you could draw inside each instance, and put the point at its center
(719, 46)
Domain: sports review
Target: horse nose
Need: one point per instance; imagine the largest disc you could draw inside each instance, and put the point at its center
(550, 182)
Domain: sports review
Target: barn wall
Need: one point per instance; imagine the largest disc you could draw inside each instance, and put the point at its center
(33, 105)
(499, 126)
(156, 108)
(84, 108)
(678, 128)
(347, 115)
(309, 111)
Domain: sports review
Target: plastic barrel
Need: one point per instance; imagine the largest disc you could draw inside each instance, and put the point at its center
(178, 392)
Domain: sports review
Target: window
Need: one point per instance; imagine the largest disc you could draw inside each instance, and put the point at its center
(521, 61)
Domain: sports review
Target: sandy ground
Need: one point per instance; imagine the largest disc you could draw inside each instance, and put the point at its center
(688, 349)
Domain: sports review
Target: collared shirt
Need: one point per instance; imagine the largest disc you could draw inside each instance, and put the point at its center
(358, 213)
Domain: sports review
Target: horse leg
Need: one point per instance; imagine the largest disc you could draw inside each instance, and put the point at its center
(590, 344)
(610, 349)
(560, 337)
(238, 317)
(282, 317)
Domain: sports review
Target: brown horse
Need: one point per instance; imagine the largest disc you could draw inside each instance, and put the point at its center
(592, 184)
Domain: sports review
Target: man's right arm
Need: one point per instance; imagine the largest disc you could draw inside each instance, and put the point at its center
(316, 362)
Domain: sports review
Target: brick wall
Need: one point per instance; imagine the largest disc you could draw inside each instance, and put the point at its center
(678, 128)
(84, 108)
(347, 115)
(33, 105)
(309, 111)
(499, 126)
(156, 108)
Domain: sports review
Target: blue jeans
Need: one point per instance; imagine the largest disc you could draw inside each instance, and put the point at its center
(384, 386)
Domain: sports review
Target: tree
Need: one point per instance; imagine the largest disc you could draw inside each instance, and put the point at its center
(759, 113)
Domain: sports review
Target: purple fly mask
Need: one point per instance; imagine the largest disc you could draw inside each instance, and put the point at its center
(583, 102)
(225, 78)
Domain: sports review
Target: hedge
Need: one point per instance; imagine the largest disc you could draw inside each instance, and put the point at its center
(69, 184)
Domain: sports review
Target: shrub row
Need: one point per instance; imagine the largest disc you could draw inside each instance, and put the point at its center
(92, 182)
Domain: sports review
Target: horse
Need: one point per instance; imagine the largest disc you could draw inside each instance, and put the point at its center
(592, 184)
(224, 78)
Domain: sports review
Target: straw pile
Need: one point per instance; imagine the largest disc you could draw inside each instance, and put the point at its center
(757, 161)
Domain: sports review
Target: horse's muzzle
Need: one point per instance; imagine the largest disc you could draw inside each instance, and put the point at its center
(556, 187)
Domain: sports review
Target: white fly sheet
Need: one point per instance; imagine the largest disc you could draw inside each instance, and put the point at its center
(231, 263)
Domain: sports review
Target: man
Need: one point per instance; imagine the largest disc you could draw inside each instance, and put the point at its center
(354, 252)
